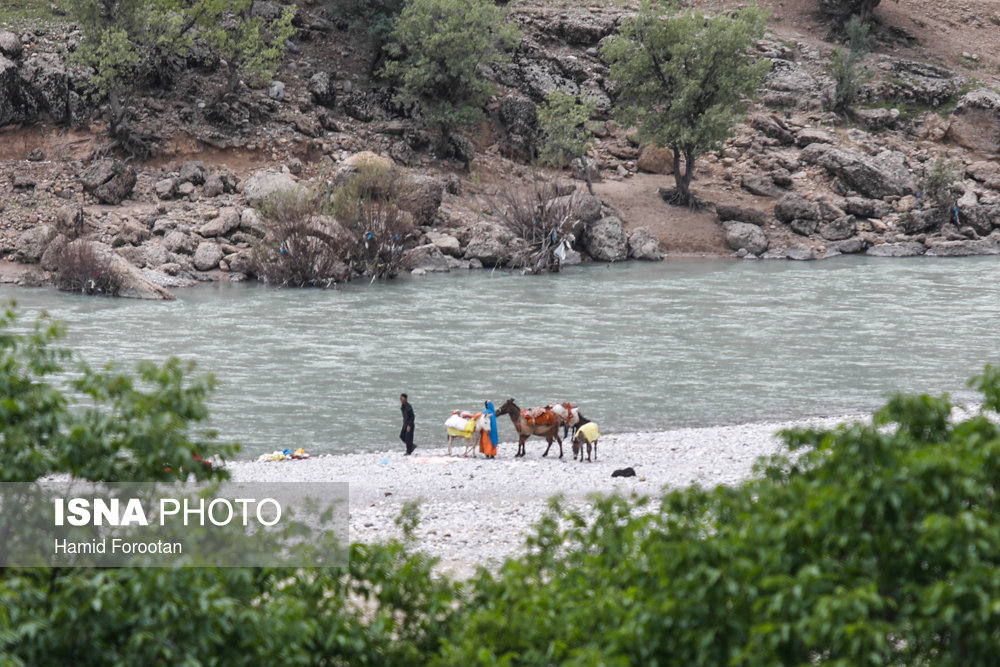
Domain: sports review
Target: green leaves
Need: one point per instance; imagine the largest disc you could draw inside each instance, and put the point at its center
(562, 122)
(681, 75)
(435, 54)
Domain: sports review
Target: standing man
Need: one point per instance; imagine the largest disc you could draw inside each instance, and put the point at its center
(406, 435)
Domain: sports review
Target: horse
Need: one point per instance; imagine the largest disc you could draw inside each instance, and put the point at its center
(544, 422)
(570, 415)
(583, 436)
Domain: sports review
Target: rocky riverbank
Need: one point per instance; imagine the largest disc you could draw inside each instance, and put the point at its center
(794, 182)
(476, 511)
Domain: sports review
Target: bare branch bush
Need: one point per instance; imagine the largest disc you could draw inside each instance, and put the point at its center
(542, 224)
(302, 247)
(82, 269)
(366, 206)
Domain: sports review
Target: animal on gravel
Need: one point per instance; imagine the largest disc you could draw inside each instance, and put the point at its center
(586, 433)
(570, 415)
(544, 422)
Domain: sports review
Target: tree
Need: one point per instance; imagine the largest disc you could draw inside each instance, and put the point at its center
(250, 44)
(437, 49)
(681, 77)
(844, 66)
(123, 41)
(565, 136)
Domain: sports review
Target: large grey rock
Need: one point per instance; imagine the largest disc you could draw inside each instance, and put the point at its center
(263, 184)
(428, 258)
(866, 208)
(33, 242)
(519, 117)
(772, 127)
(901, 249)
(207, 256)
(421, 196)
(109, 180)
(814, 135)
(323, 89)
(884, 175)
(178, 242)
(804, 226)
(917, 222)
(877, 119)
(227, 221)
(746, 236)
(644, 244)
(795, 207)
(728, 212)
(801, 253)
(446, 243)
(976, 121)
(982, 218)
(192, 171)
(488, 243)
(913, 82)
(840, 229)
(10, 45)
(52, 86)
(655, 160)
(962, 248)
(605, 240)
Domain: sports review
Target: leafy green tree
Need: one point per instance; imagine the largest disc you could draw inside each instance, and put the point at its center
(375, 17)
(436, 51)
(681, 77)
(250, 45)
(844, 66)
(123, 41)
(562, 121)
(842, 10)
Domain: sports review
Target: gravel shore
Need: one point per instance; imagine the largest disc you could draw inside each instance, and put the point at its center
(477, 511)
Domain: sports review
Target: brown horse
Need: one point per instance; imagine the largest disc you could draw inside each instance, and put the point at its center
(540, 421)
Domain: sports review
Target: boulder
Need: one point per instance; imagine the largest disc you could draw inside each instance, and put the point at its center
(251, 222)
(263, 184)
(428, 258)
(877, 119)
(33, 242)
(644, 244)
(976, 121)
(48, 87)
(981, 217)
(916, 222)
(166, 188)
(656, 160)
(276, 91)
(193, 171)
(961, 248)
(804, 226)
(884, 175)
(207, 256)
(446, 243)
(132, 232)
(760, 185)
(605, 240)
(840, 229)
(866, 208)
(421, 196)
(585, 169)
(487, 243)
(323, 89)
(10, 45)
(461, 148)
(901, 249)
(746, 236)
(519, 117)
(772, 128)
(109, 180)
(813, 135)
(214, 185)
(224, 223)
(795, 207)
(800, 253)
(727, 212)
(851, 246)
(178, 242)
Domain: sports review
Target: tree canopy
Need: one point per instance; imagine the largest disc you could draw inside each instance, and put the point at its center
(681, 77)
(436, 51)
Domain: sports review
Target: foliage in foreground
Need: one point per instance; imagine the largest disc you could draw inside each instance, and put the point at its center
(864, 544)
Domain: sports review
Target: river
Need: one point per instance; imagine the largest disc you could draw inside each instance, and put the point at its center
(637, 345)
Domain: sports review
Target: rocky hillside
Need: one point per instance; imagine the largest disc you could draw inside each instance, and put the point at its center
(795, 181)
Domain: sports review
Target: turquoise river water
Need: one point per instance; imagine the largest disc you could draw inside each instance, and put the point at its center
(637, 346)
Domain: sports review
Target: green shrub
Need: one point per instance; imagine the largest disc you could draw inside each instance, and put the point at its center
(936, 185)
(844, 66)
(564, 134)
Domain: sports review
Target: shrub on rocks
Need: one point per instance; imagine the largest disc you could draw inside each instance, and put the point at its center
(85, 270)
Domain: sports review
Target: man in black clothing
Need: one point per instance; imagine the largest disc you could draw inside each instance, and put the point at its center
(406, 435)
